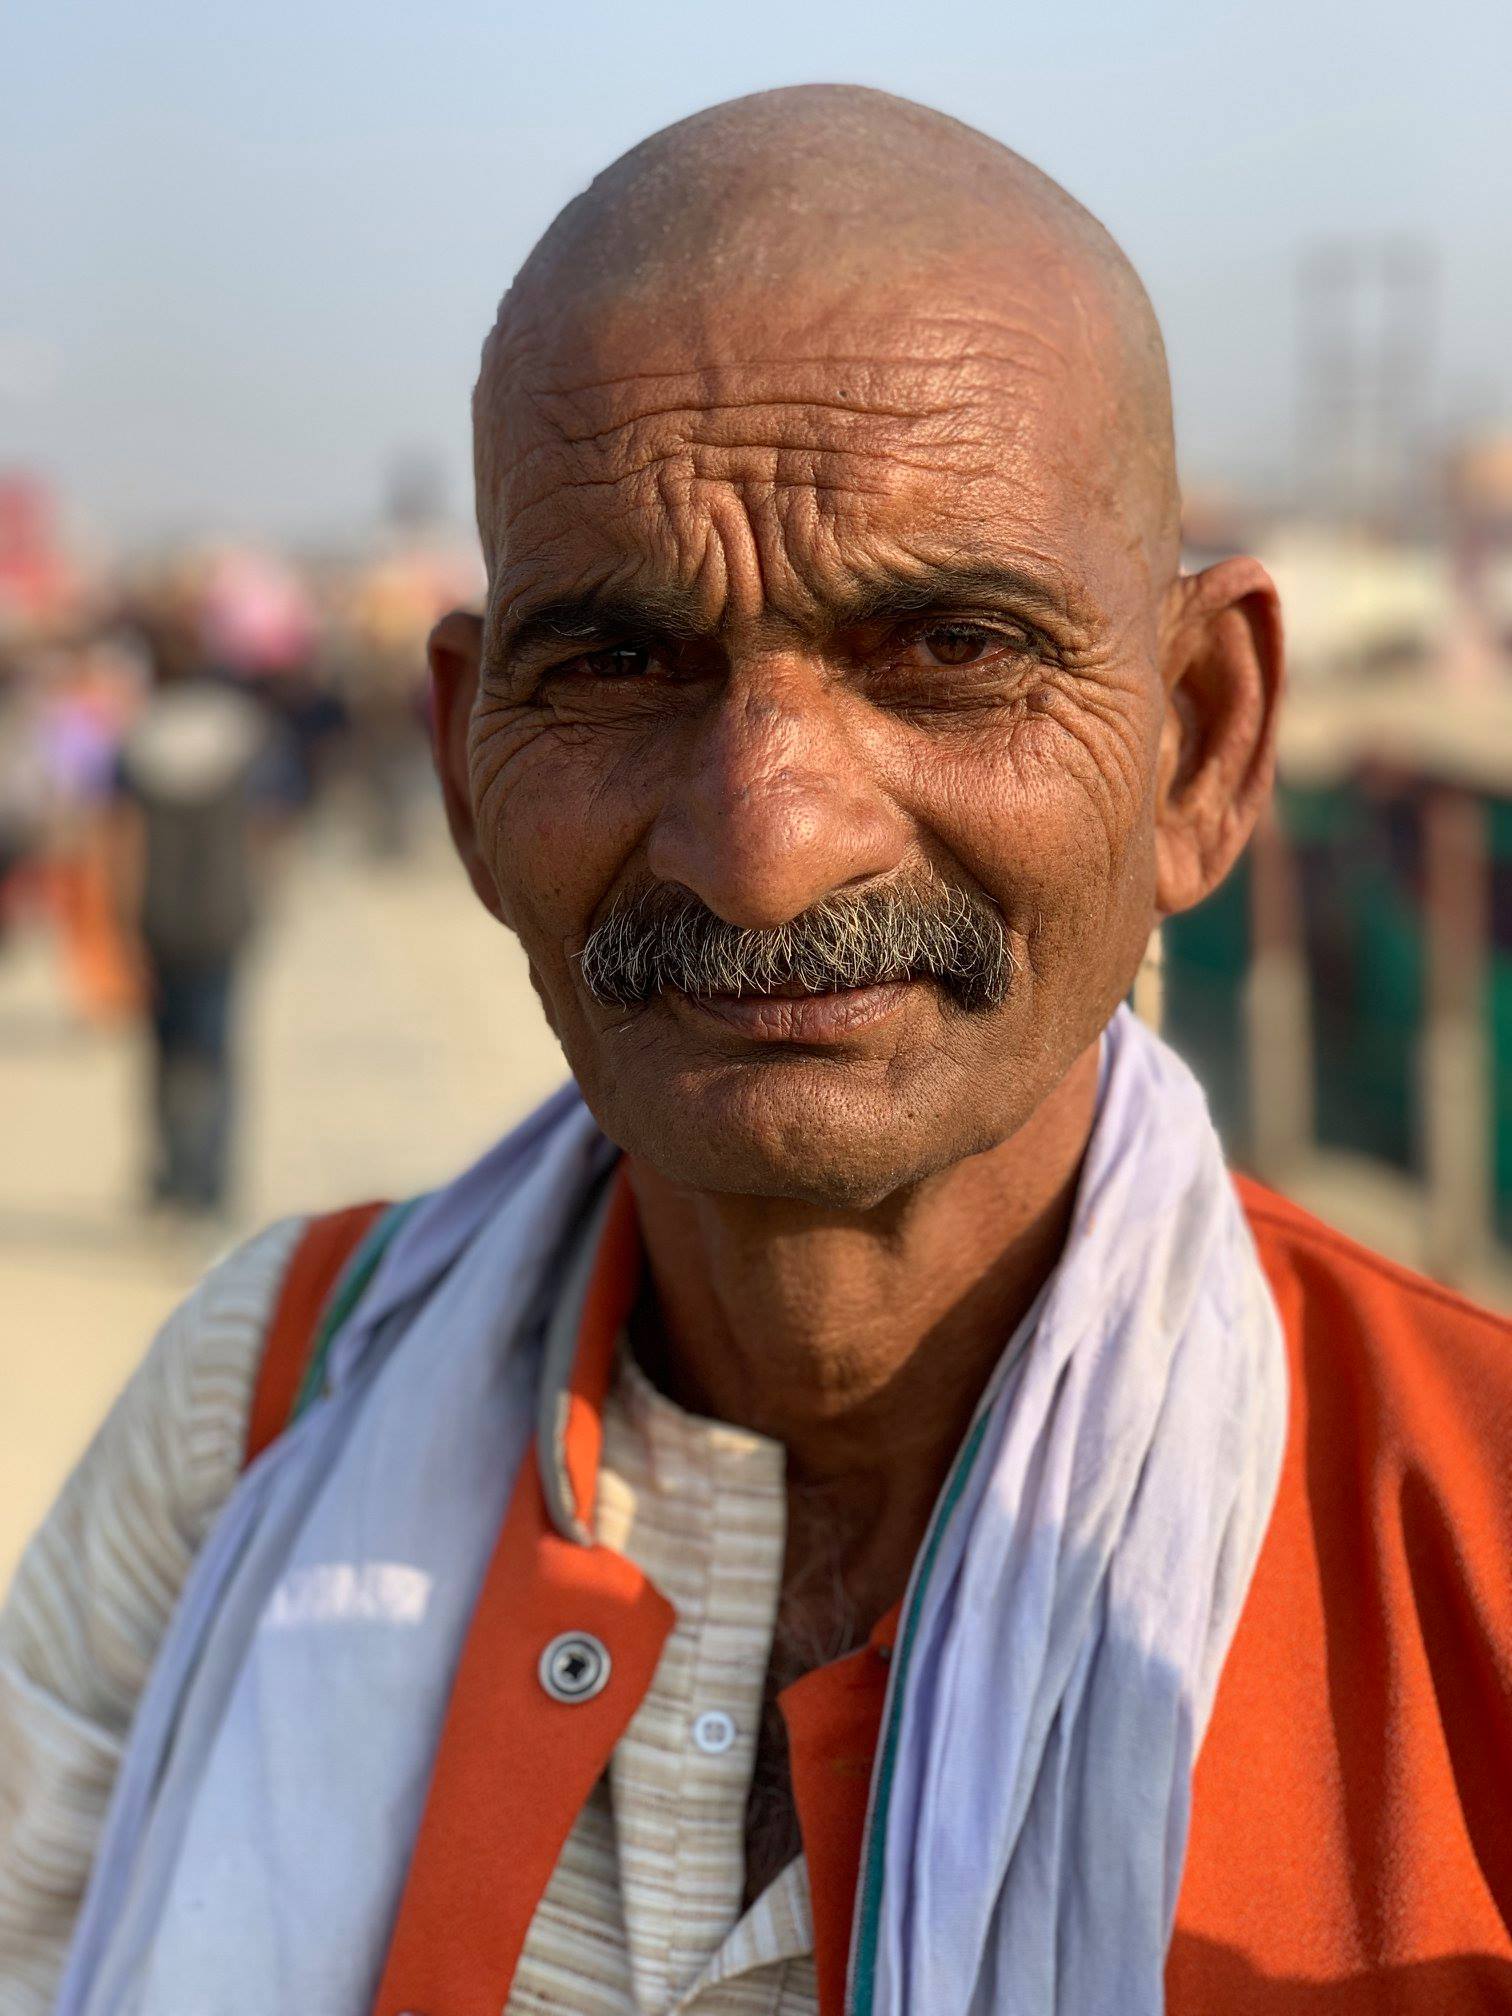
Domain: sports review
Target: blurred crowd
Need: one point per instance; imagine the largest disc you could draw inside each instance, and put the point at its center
(164, 731)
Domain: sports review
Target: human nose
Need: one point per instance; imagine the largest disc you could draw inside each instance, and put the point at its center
(775, 805)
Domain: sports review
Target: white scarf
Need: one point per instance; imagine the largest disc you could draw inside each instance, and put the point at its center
(1061, 1644)
(1072, 1608)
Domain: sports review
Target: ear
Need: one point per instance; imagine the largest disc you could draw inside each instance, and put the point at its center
(1223, 673)
(455, 651)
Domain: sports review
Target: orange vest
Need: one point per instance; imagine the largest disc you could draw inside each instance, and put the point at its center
(1351, 1840)
(1351, 1837)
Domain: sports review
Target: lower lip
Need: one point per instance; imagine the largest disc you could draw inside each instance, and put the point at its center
(799, 1019)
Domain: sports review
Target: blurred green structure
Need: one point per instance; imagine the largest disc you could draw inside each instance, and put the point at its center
(1366, 921)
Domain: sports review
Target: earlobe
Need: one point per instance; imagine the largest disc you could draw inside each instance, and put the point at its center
(1223, 675)
(455, 652)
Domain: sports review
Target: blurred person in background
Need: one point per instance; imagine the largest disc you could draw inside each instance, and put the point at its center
(87, 690)
(260, 624)
(386, 616)
(198, 785)
(23, 795)
(851, 1510)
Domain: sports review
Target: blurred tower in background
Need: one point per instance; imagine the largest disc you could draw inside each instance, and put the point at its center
(1366, 310)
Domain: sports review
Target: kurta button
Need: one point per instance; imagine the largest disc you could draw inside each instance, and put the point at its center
(575, 1667)
(714, 1732)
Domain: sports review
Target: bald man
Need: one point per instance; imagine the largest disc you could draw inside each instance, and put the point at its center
(851, 1509)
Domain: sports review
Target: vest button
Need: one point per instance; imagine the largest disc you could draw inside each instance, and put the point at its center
(574, 1667)
(714, 1732)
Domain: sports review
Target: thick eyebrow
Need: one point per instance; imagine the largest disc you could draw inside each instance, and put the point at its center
(943, 588)
(651, 615)
(594, 615)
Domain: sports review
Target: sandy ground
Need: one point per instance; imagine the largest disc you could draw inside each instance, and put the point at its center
(390, 1033)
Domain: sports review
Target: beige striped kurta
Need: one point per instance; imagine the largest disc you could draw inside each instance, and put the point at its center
(643, 1911)
(93, 1594)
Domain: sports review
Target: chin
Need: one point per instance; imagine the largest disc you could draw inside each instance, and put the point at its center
(826, 1135)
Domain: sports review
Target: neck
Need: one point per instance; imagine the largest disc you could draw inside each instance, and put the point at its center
(861, 1341)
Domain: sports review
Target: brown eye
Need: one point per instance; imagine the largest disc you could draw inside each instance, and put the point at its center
(957, 643)
(616, 661)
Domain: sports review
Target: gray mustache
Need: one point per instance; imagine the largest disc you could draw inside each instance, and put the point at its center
(665, 940)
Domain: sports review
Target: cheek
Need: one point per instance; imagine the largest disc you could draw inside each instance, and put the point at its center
(556, 820)
(1057, 829)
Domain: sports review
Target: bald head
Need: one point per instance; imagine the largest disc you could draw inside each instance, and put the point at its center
(827, 194)
(825, 480)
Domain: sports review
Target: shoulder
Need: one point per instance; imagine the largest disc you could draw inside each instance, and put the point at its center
(97, 1583)
(193, 1392)
(94, 1591)
(1348, 1807)
(1395, 1340)
(1395, 1503)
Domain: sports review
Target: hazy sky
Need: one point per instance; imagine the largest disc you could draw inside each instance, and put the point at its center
(247, 253)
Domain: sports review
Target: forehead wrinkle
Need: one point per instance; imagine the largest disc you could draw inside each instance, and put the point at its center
(683, 480)
(672, 525)
(665, 502)
(879, 384)
(703, 403)
(699, 475)
(663, 374)
(980, 390)
(966, 418)
(759, 403)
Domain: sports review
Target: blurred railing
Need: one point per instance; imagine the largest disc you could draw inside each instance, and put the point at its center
(1347, 999)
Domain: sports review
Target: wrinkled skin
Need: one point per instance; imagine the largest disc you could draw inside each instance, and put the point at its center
(1043, 711)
